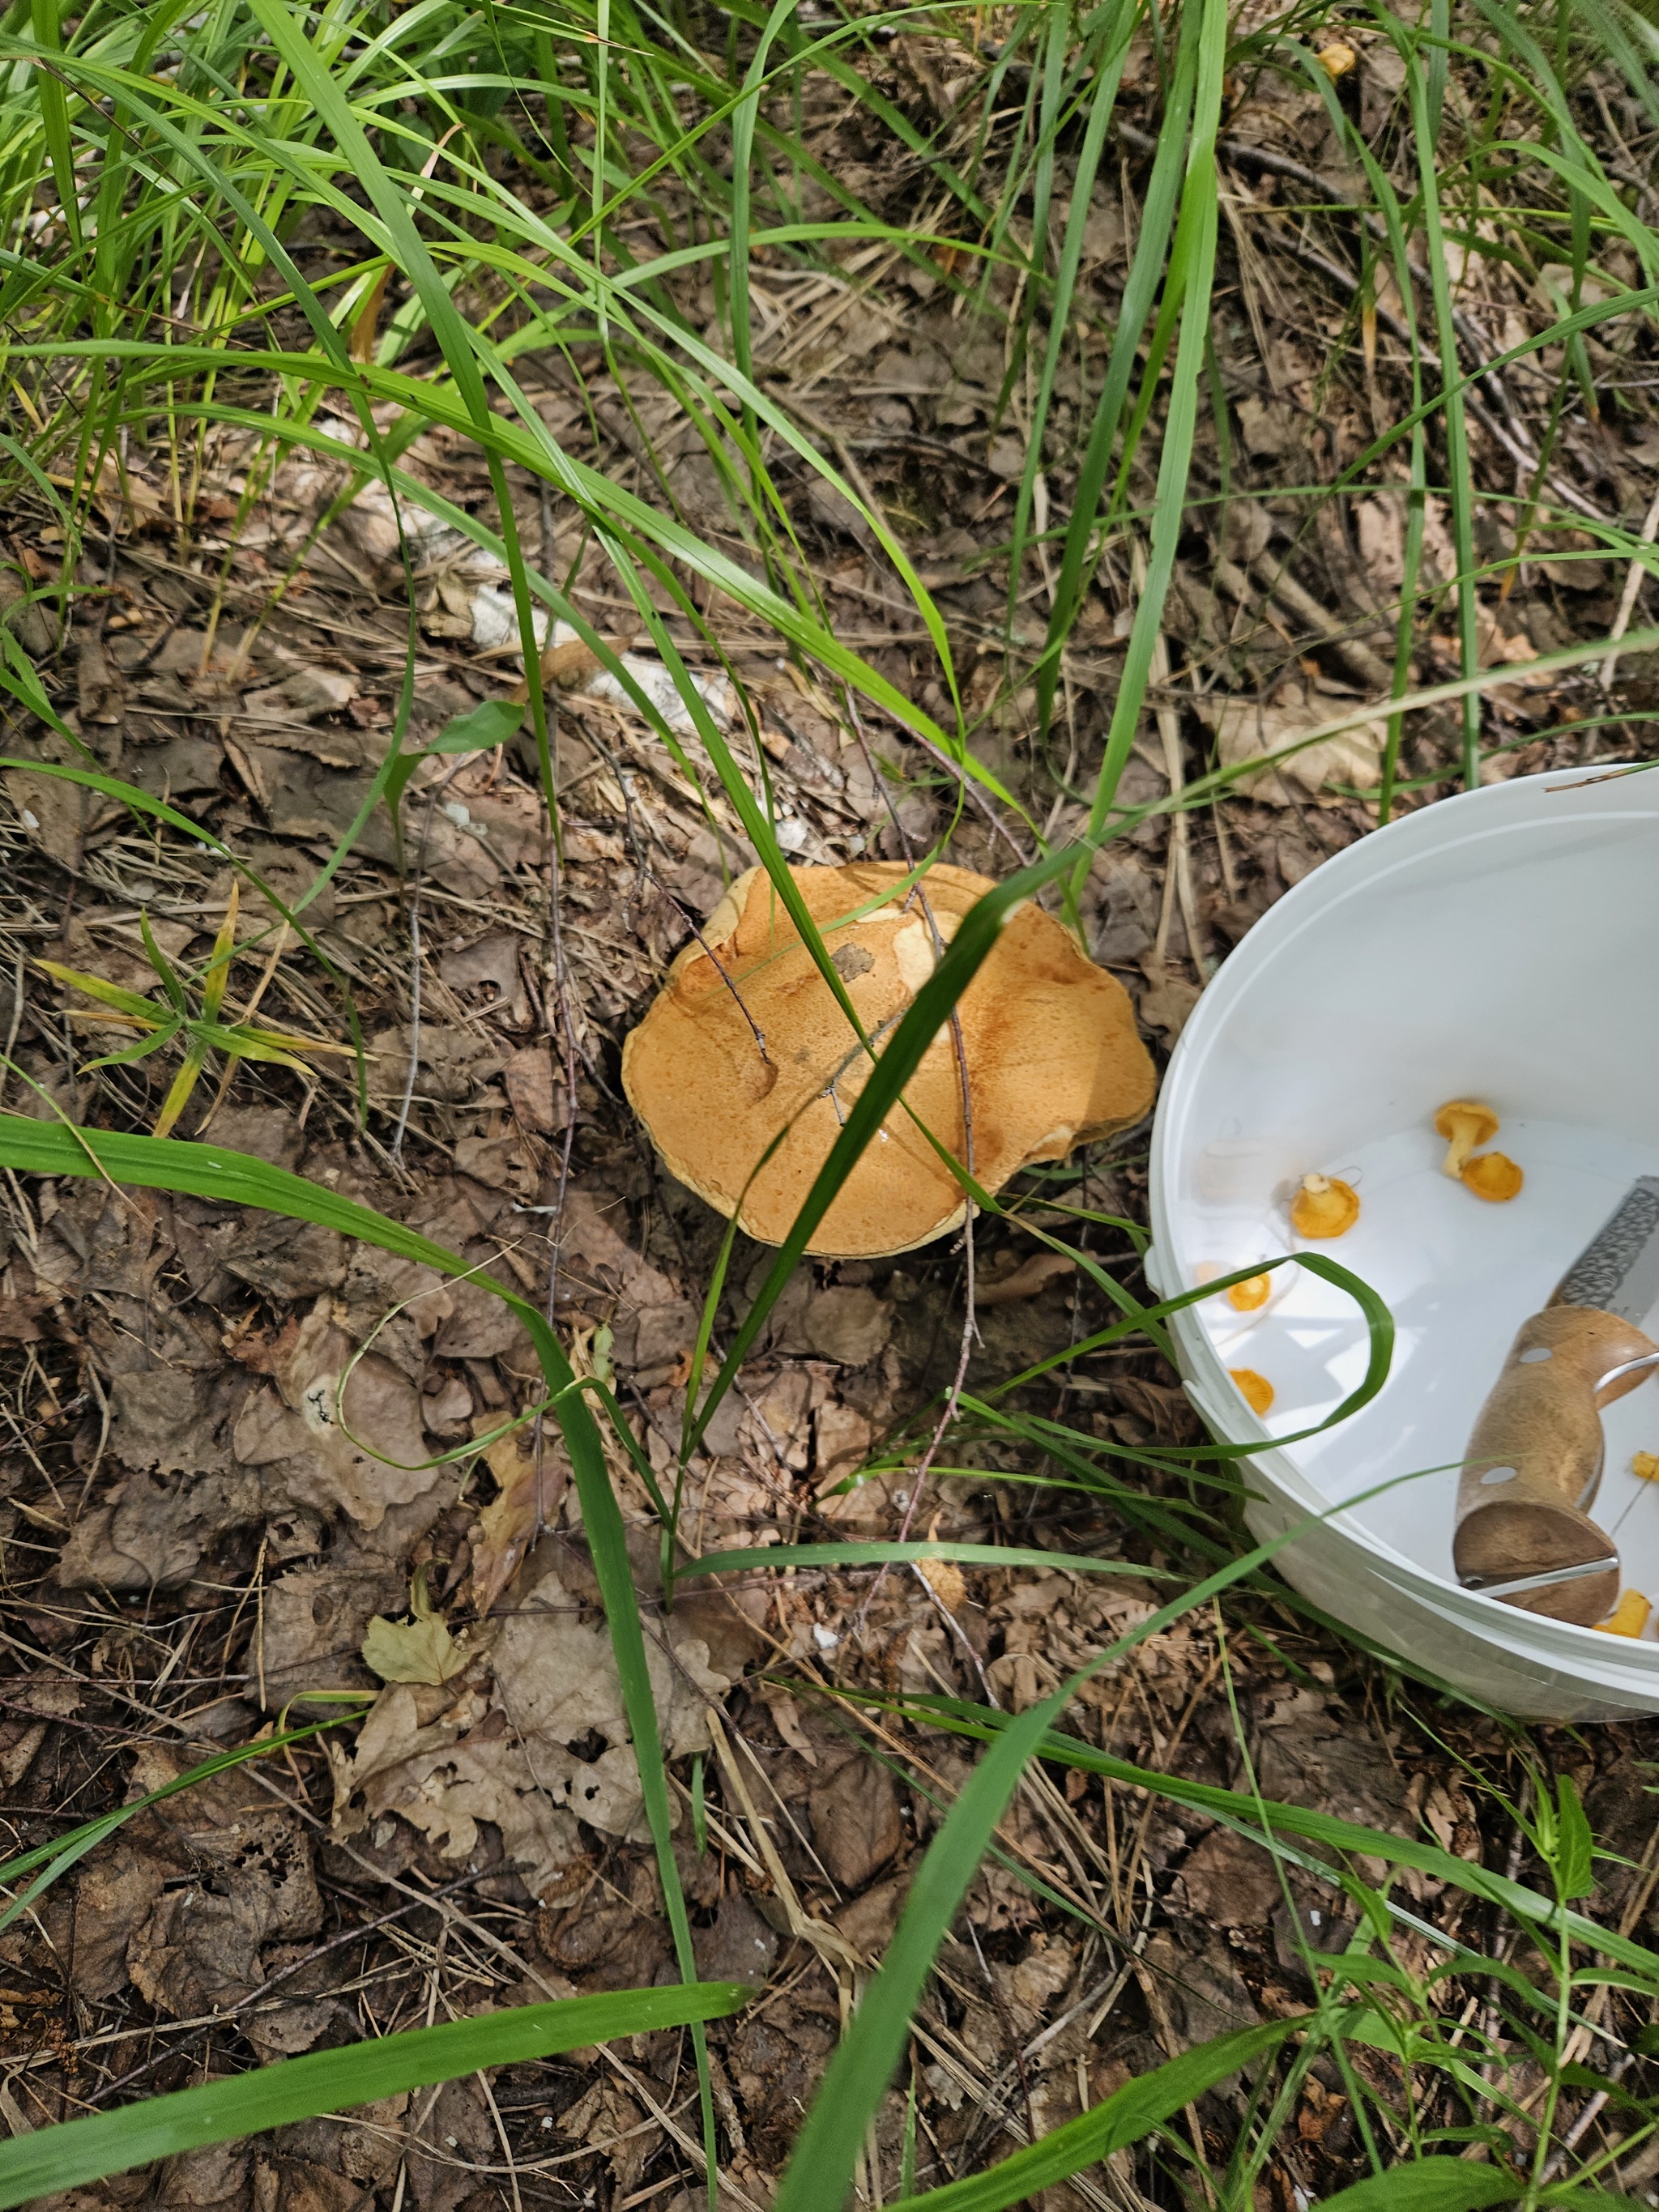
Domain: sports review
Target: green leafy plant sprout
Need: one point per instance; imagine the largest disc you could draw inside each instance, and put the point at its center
(200, 1032)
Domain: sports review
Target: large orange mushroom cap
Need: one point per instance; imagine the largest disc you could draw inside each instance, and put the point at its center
(1053, 1057)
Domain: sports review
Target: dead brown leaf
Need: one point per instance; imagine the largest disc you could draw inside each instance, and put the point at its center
(531, 1090)
(853, 1809)
(1033, 1275)
(505, 1758)
(307, 1437)
(848, 1323)
(507, 1526)
(1229, 1881)
(1245, 729)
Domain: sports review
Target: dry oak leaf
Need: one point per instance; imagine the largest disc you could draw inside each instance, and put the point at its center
(848, 1323)
(150, 1535)
(527, 1497)
(445, 1776)
(855, 1820)
(32, 1703)
(312, 1623)
(555, 1685)
(1032, 1276)
(418, 1649)
(532, 1091)
(115, 1893)
(1245, 729)
(1167, 1003)
(653, 1327)
(307, 1429)
(556, 1676)
(1229, 1881)
(303, 694)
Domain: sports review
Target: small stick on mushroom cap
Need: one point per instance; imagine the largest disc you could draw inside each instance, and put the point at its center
(1324, 1207)
(1464, 1123)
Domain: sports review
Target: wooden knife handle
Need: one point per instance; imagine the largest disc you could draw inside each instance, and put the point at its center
(1533, 1463)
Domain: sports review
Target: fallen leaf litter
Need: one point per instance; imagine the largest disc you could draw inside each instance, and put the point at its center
(196, 1532)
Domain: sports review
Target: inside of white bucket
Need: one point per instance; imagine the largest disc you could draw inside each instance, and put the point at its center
(1509, 959)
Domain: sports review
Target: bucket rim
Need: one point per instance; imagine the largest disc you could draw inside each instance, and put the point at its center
(1587, 1652)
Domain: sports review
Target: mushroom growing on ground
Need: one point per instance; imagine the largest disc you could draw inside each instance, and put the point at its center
(1493, 1176)
(1052, 1055)
(1464, 1124)
(1324, 1207)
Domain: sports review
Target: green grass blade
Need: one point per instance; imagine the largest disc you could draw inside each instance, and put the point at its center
(1434, 2185)
(18, 676)
(453, 335)
(1379, 1327)
(54, 115)
(1460, 483)
(1192, 267)
(157, 1040)
(1119, 2120)
(1244, 1813)
(891, 1072)
(1145, 269)
(767, 1556)
(820, 2169)
(742, 150)
(77, 2151)
(107, 994)
(1102, 99)
(58, 1856)
(235, 1178)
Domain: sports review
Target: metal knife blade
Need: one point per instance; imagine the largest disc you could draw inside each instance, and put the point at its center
(1498, 1586)
(1618, 1271)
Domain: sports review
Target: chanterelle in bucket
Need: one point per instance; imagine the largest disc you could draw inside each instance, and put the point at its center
(1324, 1206)
(1464, 1124)
(1053, 1057)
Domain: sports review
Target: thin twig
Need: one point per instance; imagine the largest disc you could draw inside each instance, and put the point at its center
(1634, 578)
(708, 954)
(567, 1020)
(396, 1149)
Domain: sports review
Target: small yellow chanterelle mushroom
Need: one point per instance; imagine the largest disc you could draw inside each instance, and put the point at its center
(1323, 1206)
(1493, 1176)
(1464, 1124)
(1629, 1617)
(1256, 1390)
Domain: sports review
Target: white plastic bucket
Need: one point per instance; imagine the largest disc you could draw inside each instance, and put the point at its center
(1498, 946)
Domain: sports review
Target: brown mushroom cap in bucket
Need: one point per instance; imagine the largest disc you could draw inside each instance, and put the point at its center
(1053, 1057)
